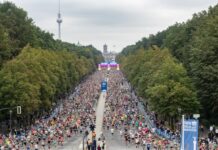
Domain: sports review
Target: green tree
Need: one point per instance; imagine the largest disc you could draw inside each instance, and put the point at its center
(162, 81)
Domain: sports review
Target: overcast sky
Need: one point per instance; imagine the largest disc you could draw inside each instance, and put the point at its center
(117, 23)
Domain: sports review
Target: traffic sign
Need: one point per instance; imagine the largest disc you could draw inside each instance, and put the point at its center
(19, 110)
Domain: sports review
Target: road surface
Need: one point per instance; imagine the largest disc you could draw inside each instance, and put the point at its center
(76, 142)
(100, 114)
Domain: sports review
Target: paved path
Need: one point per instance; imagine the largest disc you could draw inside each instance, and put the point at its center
(100, 114)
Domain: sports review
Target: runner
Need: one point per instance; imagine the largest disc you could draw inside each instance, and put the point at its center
(122, 114)
(74, 113)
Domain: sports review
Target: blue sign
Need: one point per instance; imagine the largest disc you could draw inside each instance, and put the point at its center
(190, 135)
(104, 86)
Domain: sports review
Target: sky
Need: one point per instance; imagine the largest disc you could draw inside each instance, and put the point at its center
(117, 23)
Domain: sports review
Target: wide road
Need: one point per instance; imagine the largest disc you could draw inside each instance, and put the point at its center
(75, 143)
(115, 142)
(72, 144)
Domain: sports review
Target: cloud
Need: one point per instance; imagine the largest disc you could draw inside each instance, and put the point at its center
(183, 4)
(115, 22)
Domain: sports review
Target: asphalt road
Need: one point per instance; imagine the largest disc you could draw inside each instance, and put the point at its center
(116, 142)
(100, 114)
(113, 142)
(75, 143)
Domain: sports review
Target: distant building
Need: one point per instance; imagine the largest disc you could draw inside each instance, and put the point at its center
(105, 51)
(109, 56)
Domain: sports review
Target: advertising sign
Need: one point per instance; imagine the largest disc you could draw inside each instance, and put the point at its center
(104, 86)
(190, 135)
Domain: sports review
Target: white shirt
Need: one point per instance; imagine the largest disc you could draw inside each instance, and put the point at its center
(36, 146)
(112, 130)
(121, 132)
(136, 140)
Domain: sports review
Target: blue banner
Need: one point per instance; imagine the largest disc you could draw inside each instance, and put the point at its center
(104, 86)
(190, 135)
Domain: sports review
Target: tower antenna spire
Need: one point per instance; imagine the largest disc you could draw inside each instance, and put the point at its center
(59, 6)
(59, 20)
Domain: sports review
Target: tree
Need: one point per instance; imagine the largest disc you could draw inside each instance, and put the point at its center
(204, 64)
(194, 44)
(36, 78)
(160, 79)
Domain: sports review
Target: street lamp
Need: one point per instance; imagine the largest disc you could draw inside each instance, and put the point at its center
(85, 135)
(196, 116)
(183, 119)
(10, 112)
(10, 119)
(179, 111)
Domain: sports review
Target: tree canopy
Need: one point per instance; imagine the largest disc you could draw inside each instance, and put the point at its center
(162, 81)
(35, 69)
(36, 78)
(194, 44)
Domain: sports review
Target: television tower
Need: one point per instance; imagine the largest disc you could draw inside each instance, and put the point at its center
(59, 21)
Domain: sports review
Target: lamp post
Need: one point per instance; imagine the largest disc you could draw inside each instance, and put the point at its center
(183, 137)
(182, 129)
(179, 111)
(10, 112)
(196, 116)
(10, 119)
(83, 141)
(85, 135)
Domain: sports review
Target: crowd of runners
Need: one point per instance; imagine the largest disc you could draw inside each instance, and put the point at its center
(73, 117)
(76, 113)
(122, 115)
